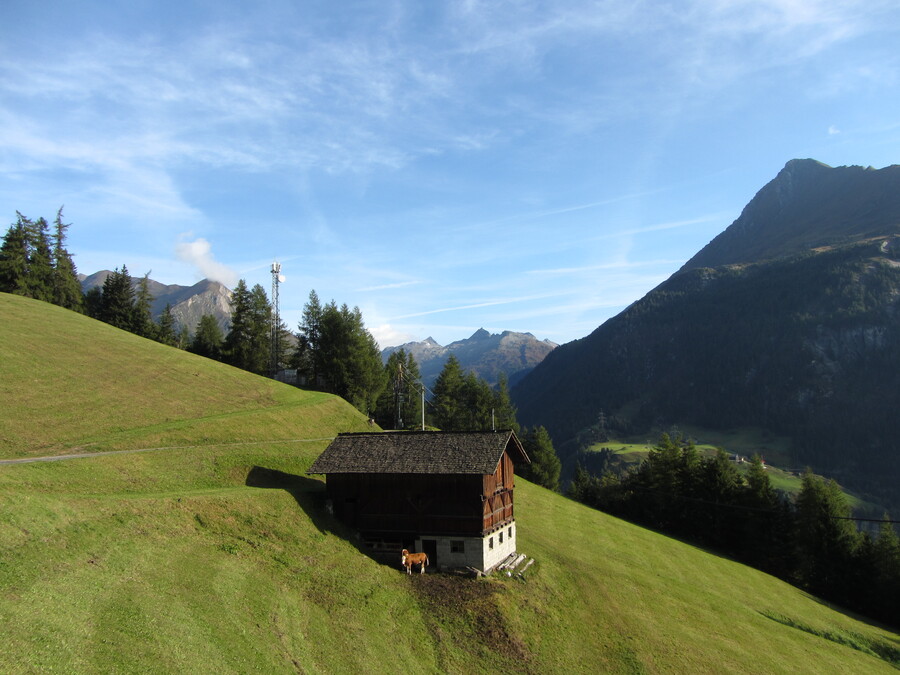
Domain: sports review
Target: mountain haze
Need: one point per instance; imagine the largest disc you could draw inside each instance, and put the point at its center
(486, 354)
(788, 321)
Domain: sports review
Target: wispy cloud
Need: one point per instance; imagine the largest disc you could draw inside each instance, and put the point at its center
(385, 287)
(199, 254)
(477, 305)
(620, 265)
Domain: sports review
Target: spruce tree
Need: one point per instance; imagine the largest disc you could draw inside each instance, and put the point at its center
(307, 357)
(66, 287)
(39, 279)
(142, 318)
(93, 303)
(117, 300)
(448, 399)
(400, 403)
(348, 357)
(14, 259)
(825, 538)
(235, 347)
(261, 332)
(504, 410)
(247, 343)
(545, 465)
(165, 329)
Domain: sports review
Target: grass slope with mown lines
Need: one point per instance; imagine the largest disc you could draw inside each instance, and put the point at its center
(76, 385)
(222, 558)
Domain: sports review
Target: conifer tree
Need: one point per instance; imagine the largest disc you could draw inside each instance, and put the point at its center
(93, 303)
(117, 300)
(307, 357)
(825, 539)
(261, 331)
(66, 287)
(448, 399)
(14, 259)
(247, 343)
(39, 279)
(142, 319)
(208, 338)
(545, 465)
(165, 329)
(504, 410)
(349, 358)
(400, 403)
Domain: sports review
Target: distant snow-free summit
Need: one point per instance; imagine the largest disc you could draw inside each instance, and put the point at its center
(486, 354)
(188, 303)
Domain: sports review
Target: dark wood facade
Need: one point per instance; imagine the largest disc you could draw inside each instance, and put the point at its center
(453, 498)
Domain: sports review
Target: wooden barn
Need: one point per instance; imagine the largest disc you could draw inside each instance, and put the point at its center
(447, 494)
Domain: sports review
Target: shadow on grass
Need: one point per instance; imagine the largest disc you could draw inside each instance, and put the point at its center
(307, 492)
(310, 496)
(867, 645)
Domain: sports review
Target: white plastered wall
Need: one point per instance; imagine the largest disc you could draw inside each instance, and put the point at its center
(482, 553)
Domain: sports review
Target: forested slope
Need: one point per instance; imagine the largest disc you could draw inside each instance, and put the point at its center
(806, 344)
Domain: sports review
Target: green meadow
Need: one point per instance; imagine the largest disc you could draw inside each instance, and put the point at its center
(744, 442)
(206, 548)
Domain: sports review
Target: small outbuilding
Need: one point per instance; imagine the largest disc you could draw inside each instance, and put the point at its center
(447, 494)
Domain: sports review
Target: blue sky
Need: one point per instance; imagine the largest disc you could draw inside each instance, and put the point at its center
(445, 166)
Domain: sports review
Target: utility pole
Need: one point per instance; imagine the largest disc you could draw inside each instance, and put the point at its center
(398, 398)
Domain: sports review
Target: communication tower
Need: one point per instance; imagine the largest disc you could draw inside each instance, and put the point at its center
(277, 278)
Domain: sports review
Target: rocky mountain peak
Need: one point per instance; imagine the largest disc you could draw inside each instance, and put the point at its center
(807, 205)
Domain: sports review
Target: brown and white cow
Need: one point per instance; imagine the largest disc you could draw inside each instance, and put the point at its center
(408, 559)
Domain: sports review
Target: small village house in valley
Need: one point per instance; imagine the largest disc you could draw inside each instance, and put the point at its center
(447, 494)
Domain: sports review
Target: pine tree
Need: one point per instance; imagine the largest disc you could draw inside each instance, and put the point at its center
(39, 279)
(93, 303)
(247, 343)
(14, 259)
(400, 403)
(261, 331)
(66, 287)
(307, 357)
(825, 539)
(504, 410)
(545, 465)
(165, 329)
(448, 398)
(142, 319)
(117, 300)
(348, 357)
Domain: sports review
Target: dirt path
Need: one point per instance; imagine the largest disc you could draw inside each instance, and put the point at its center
(81, 455)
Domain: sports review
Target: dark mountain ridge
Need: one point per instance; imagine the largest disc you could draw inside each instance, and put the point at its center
(806, 206)
(788, 321)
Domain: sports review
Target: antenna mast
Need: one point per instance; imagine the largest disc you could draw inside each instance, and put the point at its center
(277, 278)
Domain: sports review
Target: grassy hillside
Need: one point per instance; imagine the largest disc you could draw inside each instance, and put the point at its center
(219, 557)
(79, 385)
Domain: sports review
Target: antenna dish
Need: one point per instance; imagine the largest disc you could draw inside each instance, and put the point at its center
(281, 278)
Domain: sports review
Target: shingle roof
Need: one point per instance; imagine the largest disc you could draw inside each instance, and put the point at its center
(476, 452)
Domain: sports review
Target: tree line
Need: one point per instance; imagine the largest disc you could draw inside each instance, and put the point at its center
(810, 541)
(332, 350)
(34, 262)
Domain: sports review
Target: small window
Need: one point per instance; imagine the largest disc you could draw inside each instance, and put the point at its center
(491, 543)
(510, 531)
(501, 536)
(457, 546)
